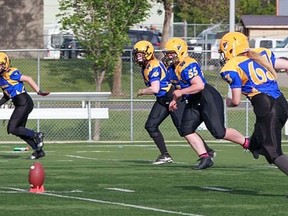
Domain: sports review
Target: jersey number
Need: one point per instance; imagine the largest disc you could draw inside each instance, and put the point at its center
(193, 72)
(258, 75)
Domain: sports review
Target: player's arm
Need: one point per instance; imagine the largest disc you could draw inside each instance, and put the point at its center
(33, 85)
(153, 89)
(196, 86)
(31, 82)
(236, 97)
(235, 83)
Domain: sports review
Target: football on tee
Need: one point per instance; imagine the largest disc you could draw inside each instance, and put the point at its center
(36, 175)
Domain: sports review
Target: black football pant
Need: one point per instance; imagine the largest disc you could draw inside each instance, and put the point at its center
(23, 106)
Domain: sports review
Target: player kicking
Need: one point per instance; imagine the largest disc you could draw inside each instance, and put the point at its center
(12, 85)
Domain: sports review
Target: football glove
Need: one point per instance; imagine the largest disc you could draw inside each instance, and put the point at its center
(43, 93)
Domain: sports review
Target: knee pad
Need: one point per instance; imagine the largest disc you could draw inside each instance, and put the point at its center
(151, 129)
(180, 132)
(11, 130)
(153, 135)
(185, 130)
(11, 127)
(218, 134)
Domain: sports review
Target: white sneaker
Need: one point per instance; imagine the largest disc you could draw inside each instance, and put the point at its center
(162, 159)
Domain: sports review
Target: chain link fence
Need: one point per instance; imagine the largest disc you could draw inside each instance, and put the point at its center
(127, 113)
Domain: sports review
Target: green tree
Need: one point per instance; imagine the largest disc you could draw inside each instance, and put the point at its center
(211, 11)
(201, 11)
(101, 26)
(255, 7)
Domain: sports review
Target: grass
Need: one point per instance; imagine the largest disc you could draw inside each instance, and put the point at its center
(83, 178)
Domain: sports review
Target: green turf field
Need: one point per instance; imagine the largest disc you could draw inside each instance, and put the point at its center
(115, 180)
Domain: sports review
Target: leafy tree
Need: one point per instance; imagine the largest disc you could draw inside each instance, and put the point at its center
(201, 11)
(255, 7)
(211, 11)
(101, 26)
(217, 12)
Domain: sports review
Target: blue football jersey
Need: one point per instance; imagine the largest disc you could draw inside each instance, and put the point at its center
(11, 84)
(253, 78)
(155, 70)
(184, 72)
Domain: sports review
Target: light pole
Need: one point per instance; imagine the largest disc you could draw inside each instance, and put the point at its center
(231, 29)
(232, 16)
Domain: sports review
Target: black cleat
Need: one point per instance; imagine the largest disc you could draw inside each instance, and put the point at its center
(205, 162)
(37, 154)
(39, 140)
(254, 153)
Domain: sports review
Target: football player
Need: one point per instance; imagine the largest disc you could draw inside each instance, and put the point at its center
(12, 85)
(251, 72)
(158, 83)
(204, 102)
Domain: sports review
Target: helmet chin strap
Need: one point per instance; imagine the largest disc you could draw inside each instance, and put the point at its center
(222, 59)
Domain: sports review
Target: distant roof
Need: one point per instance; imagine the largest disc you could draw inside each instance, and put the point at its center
(264, 20)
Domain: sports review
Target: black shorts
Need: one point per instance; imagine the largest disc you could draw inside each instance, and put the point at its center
(160, 112)
(206, 106)
(271, 115)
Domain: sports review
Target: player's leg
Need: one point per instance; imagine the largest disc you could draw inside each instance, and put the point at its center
(190, 122)
(212, 112)
(177, 118)
(156, 116)
(17, 124)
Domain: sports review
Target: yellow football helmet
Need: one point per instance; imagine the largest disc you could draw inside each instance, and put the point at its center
(4, 62)
(143, 51)
(175, 50)
(232, 44)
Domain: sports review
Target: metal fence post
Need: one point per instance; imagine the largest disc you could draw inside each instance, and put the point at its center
(131, 98)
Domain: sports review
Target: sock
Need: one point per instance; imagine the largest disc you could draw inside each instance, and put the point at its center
(246, 143)
(204, 155)
(29, 141)
(159, 141)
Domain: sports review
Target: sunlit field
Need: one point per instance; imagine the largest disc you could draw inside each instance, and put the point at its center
(119, 179)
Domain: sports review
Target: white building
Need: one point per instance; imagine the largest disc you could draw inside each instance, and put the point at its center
(50, 11)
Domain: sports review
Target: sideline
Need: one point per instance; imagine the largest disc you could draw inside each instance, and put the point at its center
(103, 202)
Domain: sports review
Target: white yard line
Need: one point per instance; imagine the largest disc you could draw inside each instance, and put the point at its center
(217, 189)
(121, 190)
(105, 202)
(80, 157)
(89, 158)
(93, 151)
